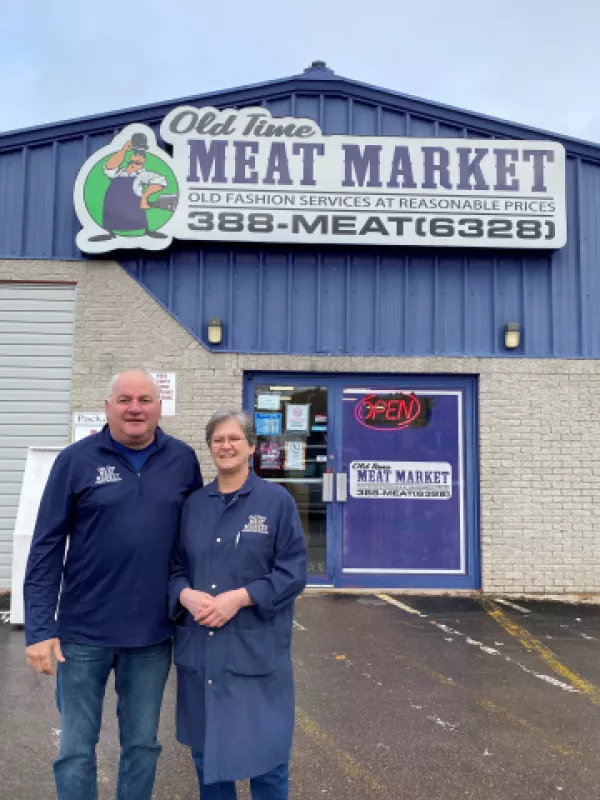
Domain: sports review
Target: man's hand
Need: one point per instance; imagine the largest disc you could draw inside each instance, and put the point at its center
(196, 602)
(144, 204)
(41, 656)
(225, 606)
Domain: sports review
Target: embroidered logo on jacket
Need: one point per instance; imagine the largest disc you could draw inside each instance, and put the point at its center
(107, 475)
(256, 524)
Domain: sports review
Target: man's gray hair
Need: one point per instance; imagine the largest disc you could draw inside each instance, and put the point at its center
(241, 417)
(115, 378)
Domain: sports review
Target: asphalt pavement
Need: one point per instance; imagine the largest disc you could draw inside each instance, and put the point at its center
(423, 698)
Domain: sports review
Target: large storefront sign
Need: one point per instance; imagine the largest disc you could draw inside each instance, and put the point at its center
(242, 175)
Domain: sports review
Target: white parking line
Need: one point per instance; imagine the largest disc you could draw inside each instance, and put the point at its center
(510, 604)
(4, 616)
(452, 726)
(583, 635)
(491, 651)
(398, 604)
(299, 627)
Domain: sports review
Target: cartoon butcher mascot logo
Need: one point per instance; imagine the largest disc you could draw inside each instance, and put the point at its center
(126, 194)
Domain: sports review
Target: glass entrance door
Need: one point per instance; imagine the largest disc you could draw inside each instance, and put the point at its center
(383, 470)
(291, 426)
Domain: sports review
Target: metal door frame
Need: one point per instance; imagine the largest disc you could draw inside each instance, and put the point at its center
(335, 383)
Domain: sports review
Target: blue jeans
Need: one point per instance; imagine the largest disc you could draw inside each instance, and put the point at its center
(140, 677)
(272, 785)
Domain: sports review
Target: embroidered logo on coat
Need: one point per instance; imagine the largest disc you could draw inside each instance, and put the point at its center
(107, 475)
(256, 524)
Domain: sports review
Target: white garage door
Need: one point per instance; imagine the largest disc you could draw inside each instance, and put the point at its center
(36, 353)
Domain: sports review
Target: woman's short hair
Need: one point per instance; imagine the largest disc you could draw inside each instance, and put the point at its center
(241, 417)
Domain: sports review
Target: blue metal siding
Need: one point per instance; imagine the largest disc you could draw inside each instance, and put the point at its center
(12, 197)
(331, 325)
(38, 219)
(392, 123)
(480, 307)
(331, 299)
(246, 290)
(186, 276)
(509, 293)
(420, 305)
(337, 302)
(417, 126)
(361, 292)
(334, 117)
(275, 280)
(364, 119)
(589, 286)
(280, 106)
(304, 302)
(451, 304)
(70, 155)
(393, 280)
(216, 295)
(308, 106)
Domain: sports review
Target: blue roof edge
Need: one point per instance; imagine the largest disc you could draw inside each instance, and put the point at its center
(314, 80)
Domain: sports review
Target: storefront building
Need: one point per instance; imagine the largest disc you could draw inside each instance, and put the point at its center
(403, 294)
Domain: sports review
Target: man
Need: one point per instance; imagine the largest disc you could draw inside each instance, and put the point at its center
(131, 184)
(117, 496)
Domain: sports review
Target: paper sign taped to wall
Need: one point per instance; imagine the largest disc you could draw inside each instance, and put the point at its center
(85, 423)
(166, 385)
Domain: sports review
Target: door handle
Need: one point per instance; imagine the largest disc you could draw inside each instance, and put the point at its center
(327, 490)
(341, 487)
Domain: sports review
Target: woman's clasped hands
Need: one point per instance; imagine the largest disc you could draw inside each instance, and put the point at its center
(214, 612)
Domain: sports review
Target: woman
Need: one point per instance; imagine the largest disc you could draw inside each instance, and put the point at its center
(241, 563)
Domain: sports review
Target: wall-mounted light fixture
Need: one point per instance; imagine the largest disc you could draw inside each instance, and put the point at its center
(512, 335)
(215, 331)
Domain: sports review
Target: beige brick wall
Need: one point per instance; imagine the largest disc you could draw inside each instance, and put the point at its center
(538, 420)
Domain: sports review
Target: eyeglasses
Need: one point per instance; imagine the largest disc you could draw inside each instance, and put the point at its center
(219, 440)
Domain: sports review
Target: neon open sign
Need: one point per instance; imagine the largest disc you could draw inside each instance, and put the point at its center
(387, 412)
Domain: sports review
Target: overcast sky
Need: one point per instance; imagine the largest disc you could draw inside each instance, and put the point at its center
(531, 61)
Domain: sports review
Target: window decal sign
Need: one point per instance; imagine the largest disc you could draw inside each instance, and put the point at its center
(243, 175)
(267, 423)
(417, 480)
(296, 417)
(270, 454)
(295, 455)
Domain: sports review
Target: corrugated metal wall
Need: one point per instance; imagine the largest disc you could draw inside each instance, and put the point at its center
(36, 352)
(334, 300)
